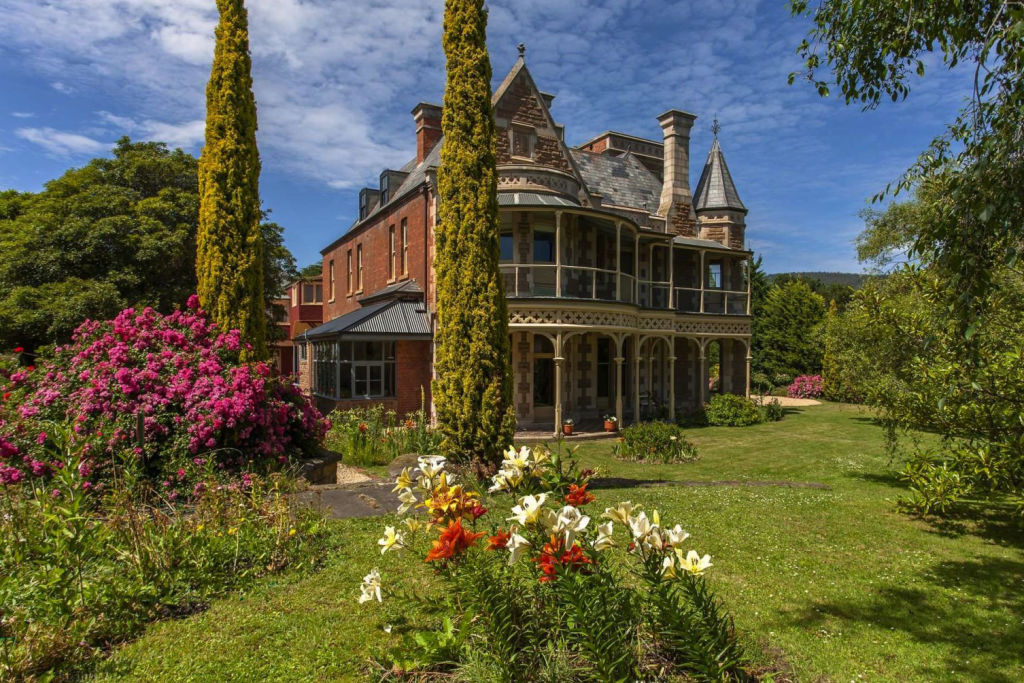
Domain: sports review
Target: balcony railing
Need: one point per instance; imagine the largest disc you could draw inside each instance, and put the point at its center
(716, 301)
(527, 280)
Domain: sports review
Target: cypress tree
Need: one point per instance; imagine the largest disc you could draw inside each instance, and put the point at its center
(229, 244)
(473, 389)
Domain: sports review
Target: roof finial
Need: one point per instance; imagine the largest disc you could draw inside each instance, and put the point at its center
(715, 127)
(522, 50)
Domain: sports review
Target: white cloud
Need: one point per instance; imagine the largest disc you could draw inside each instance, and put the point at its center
(63, 144)
(22, 114)
(62, 87)
(188, 135)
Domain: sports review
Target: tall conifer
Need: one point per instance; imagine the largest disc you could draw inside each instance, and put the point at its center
(473, 390)
(229, 245)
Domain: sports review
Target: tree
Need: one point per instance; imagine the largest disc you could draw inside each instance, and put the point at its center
(473, 389)
(871, 47)
(313, 270)
(230, 248)
(115, 233)
(790, 330)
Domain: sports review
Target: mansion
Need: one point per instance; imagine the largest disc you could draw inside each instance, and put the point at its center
(627, 291)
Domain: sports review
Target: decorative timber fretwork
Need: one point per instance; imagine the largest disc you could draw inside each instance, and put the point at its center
(525, 317)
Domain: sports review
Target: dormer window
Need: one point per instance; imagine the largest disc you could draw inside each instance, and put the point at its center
(522, 140)
(385, 189)
(364, 205)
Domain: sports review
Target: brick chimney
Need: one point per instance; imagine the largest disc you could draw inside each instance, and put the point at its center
(428, 128)
(676, 200)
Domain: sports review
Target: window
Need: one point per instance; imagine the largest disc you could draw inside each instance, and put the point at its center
(384, 188)
(715, 275)
(405, 246)
(363, 369)
(391, 252)
(348, 276)
(507, 245)
(312, 293)
(330, 269)
(604, 357)
(522, 141)
(364, 204)
(359, 268)
(302, 352)
(543, 244)
(295, 295)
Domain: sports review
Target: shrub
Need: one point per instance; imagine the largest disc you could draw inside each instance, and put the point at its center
(80, 572)
(805, 386)
(177, 373)
(771, 410)
(730, 410)
(781, 379)
(761, 383)
(374, 436)
(557, 596)
(661, 442)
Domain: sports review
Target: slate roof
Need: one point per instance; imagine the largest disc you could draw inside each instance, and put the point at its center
(402, 289)
(715, 189)
(391, 318)
(622, 180)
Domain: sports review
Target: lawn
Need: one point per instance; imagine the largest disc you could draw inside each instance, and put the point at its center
(827, 583)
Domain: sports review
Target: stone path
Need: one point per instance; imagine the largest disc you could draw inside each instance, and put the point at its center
(786, 401)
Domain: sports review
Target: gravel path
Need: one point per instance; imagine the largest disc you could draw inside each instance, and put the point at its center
(786, 401)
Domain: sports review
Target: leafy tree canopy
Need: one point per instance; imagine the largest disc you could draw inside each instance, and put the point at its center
(312, 270)
(790, 330)
(116, 232)
(871, 48)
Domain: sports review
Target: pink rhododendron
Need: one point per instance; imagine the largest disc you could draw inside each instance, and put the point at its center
(806, 386)
(181, 374)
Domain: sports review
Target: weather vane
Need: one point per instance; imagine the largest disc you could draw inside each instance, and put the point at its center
(715, 127)
(522, 50)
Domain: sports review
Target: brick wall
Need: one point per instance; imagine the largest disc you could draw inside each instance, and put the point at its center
(374, 239)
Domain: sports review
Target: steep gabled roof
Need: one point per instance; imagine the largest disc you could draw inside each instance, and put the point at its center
(715, 189)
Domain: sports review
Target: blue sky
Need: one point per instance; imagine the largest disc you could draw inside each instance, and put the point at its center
(335, 81)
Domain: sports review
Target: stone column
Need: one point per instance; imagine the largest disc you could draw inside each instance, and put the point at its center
(618, 388)
(672, 385)
(702, 361)
(749, 359)
(558, 256)
(558, 383)
(618, 263)
(703, 283)
(636, 378)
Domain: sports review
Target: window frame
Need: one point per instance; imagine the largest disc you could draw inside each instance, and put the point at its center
(405, 247)
(392, 253)
(348, 275)
(359, 268)
(330, 269)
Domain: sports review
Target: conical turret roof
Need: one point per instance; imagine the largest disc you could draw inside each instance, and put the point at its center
(715, 189)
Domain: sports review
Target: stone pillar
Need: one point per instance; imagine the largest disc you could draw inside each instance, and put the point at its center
(636, 378)
(558, 257)
(703, 279)
(672, 386)
(703, 363)
(619, 360)
(749, 358)
(618, 264)
(558, 383)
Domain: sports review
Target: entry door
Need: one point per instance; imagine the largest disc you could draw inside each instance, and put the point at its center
(543, 379)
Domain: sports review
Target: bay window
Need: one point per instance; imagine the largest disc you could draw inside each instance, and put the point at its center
(354, 369)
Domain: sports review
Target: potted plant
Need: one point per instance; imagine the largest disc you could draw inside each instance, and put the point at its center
(610, 423)
(567, 426)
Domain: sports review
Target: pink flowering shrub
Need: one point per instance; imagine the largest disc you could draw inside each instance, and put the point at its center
(806, 386)
(201, 408)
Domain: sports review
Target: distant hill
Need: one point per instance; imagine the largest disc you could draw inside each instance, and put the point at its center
(849, 279)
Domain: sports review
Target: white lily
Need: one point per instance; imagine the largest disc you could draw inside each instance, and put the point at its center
(513, 475)
(569, 521)
(639, 525)
(413, 524)
(540, 456)
(408, 499)
(517, 547)
(431, 465)
(498, 483)
(621, 512)
(676, 535)
(519, 460)
(668, 567)
(604, 538)
(693, 563)
(391, 539)
(370, 587)
(529, 509)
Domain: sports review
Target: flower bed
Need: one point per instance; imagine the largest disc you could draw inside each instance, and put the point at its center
(177, 375)
(655, 442)
(547, 589)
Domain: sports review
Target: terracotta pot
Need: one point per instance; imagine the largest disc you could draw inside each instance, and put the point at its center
(609, 426)
(567, 430)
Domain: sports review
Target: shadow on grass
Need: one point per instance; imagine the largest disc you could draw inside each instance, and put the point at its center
(995, 521)
(626, 483)
(887, 478)
(980, 629)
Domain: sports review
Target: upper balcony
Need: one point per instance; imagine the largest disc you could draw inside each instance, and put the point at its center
(574, 255)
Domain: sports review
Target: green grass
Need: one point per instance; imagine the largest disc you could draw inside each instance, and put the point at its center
(830, 584)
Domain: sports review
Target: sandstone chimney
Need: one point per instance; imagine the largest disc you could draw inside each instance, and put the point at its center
(428, 128)
(676, 201)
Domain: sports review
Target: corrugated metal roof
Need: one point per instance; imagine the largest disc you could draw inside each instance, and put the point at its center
(715, 189)
(622, 180)
(532, 199)
(393, 318)
(702, 244)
